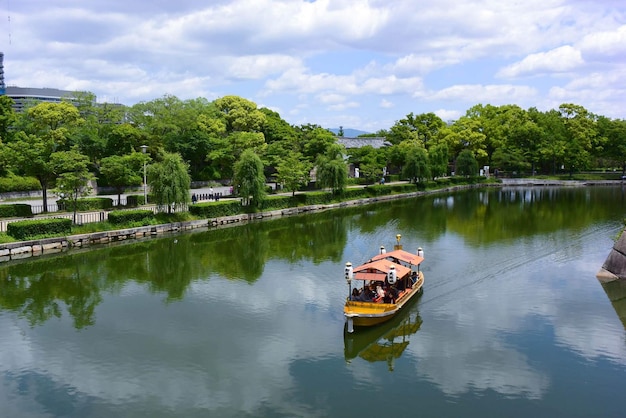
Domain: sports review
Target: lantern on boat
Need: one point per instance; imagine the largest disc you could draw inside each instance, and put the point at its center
(349, 274)
(382, 249)
(420, 253)
(391, 275)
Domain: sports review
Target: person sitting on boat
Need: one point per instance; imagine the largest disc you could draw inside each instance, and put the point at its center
(414, 277)
(366, 295)
(356, 294)
(391, 295)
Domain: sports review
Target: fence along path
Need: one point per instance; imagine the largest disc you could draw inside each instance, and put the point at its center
(81, 217)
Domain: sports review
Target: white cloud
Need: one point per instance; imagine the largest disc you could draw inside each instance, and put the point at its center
(495, 94)
(384, 103)
(286, 51)
(559, 60)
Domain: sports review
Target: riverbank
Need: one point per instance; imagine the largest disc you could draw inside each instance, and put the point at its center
(34, 248)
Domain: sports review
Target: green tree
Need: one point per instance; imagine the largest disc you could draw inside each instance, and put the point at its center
(249, 179)
(332, 171)
(416, 166)
(169, 182)
(42, 130)
(7, 117)
(438, 160)
(293, 172)
(466, 164)
(122, 171)
(73, 176)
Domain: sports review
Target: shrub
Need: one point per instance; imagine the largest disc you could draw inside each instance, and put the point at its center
(118, 217)
(16, 210)
(13, 183)
(25, 230)
(216, 209)
(83, 205)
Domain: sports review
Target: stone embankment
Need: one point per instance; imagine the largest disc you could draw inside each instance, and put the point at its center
(614, 268)
(34, 248)
(25, 249)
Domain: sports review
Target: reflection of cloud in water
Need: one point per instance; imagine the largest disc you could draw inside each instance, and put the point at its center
(141, 350)
(462, 344)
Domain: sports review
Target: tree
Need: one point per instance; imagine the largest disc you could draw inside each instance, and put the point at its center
(293, 172)
(169, 182)
(332, 171)
(416, 166)
(43, 130)
(438, 160)
(122, 171)
(466, 164)
(73, 176)
(249, 179)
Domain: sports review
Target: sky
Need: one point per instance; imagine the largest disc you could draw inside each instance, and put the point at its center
(359, 64)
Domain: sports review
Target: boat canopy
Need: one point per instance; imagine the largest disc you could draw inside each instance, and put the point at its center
(377, 270)
(404, 256)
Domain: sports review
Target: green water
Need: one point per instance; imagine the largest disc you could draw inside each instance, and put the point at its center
(247, 321)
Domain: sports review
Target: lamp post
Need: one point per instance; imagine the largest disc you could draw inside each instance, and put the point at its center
(145, 183)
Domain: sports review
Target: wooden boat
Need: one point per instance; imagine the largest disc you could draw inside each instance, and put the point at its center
(394, 276)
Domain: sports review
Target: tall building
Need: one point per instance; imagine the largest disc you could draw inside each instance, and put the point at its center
(2, 85)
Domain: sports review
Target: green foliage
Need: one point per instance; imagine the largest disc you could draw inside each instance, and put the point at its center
(416, 166)
(30, 229)
(466, 164)
(13, 183)
(209, 210)
(332, 171)
(169, 181)
(88, 204)
(293, 172)
(118, 217)
(249, 179)
(73, 176)
(16, 210)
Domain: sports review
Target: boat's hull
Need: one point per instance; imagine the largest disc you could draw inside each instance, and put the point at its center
(367, 314)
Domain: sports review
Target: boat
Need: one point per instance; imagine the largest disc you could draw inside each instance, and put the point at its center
(379, 288)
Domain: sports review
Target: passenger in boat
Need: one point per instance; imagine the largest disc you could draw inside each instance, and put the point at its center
(391, 295)
(367, 295)
(355, 294)
(414, 277)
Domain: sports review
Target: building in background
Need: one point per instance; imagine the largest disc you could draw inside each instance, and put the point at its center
(24, 96)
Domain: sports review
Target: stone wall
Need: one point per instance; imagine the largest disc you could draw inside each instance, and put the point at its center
(614, 267)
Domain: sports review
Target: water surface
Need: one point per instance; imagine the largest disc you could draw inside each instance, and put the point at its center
(247, 321)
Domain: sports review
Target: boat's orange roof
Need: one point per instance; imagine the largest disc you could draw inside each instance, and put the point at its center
(377, 270)
(401, 255)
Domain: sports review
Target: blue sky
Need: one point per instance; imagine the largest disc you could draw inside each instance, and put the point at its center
(359, 64)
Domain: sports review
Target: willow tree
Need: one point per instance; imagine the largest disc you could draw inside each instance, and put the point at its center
(249, 179)
(332, 171)
(169, 182)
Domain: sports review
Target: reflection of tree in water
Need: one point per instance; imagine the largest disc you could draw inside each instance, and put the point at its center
(38, 291)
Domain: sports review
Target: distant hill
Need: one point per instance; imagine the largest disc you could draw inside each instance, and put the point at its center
(349, 133)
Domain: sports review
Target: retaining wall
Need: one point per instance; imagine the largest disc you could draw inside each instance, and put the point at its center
(614, 267)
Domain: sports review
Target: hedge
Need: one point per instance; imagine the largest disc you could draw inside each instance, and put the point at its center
(25, 230)
(16, 210)
(216, 209)
(13, 183)
(118, 217)
(83, 205)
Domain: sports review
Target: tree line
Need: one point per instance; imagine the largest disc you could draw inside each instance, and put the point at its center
(64, 145)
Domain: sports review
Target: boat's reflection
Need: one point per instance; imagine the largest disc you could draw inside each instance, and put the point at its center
(385, 342)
